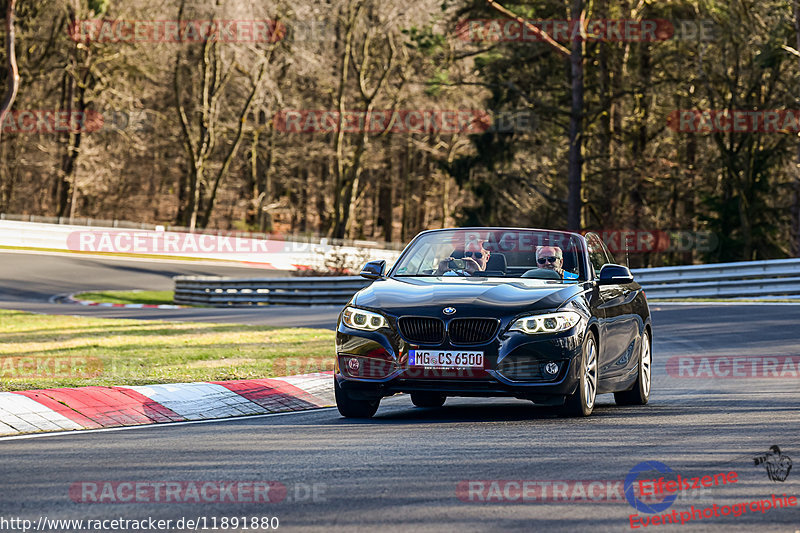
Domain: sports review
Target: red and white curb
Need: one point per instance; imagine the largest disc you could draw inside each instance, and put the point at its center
(103, 407)
(68, 299)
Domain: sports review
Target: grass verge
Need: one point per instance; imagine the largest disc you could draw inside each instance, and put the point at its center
(43, 351)
(128, 297)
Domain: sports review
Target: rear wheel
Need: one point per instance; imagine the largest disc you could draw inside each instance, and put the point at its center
(581, 402)
(640, 393)
(350, 408)
(428, 399)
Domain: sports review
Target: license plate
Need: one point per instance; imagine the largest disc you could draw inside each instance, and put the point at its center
(437, 359)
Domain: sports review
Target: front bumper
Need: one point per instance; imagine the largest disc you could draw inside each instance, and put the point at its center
(512, 363)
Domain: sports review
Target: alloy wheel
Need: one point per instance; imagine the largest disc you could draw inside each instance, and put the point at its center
(590, 374)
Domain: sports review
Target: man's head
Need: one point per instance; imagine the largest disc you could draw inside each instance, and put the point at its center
(550, 257)
(476, 251)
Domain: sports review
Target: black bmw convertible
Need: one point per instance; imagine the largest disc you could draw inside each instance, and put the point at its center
(546, 316)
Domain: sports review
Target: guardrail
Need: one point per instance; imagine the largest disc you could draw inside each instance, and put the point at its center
(751, 279)
(228, 292)
(757, 279)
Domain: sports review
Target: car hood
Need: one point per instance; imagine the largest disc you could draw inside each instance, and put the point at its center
(476, 296)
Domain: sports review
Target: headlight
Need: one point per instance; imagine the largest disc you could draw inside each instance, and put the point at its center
(548, 323)
(366, 320)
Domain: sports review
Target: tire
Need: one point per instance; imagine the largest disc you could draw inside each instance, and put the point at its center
(640, 393)
(428, 399)
(581, 402)
(350, 408)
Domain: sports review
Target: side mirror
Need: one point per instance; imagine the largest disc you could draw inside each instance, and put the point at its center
(374, 269)
(612, 274)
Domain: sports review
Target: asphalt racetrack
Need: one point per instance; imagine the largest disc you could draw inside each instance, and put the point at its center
(723, 394)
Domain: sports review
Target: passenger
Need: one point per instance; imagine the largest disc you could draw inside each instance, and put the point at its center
(475, 257)
(552, 258)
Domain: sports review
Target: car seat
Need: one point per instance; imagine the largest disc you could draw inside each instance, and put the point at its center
(496, 265)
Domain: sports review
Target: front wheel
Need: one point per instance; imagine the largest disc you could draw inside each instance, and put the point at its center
(428, 399)
(350, 408)
(640, 393)
(581, 402)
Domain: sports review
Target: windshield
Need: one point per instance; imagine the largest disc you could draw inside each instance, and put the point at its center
(494, 252)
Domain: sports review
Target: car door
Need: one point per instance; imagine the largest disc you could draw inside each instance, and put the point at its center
(618, 300)
(615, 310)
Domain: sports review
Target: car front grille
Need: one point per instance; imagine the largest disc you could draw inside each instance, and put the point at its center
(522, 368)
(472, 330)
(421, 330)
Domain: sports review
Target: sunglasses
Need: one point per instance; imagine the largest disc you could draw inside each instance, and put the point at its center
(550, 258)
(476, 255)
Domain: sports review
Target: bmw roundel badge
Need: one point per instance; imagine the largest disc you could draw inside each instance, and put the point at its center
(449, 310)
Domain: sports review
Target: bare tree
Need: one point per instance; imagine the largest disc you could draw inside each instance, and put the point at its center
(202, 137)
(13, 71)
(575, 55)
(796, 201)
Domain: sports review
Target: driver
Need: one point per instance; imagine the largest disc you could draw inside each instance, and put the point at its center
(475, 257)
(552, 258)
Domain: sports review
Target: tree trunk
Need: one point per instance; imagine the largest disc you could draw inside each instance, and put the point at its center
(11, 57)
(303, 207)
(795, 247)
(339, 168)
(641, 108)
(386, 197)
(182, 188)
(67, 185)
(196, 186)
(575, 168)
(264, 216)
(252, 185)
(405, 171)
(322, 208)
(607, 169)
(690, 203)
